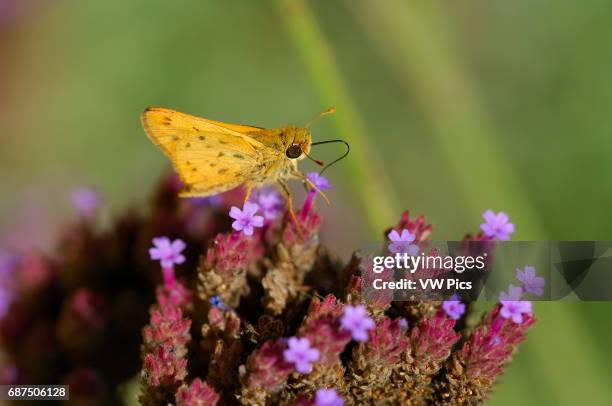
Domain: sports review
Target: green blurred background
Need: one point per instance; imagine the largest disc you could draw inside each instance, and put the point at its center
(450, 107)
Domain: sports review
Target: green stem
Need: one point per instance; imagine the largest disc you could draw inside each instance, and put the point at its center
(414, 39)
(370, 183)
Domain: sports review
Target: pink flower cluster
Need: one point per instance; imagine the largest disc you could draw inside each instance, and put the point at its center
(230, 253)
(198, 393)
(167, 335)
(492, 345)
(433, 338)
(415, 227)
(387, 342)
(335, 350)
(322, 326)
(165, 339)
(327, 329)
(267, 366)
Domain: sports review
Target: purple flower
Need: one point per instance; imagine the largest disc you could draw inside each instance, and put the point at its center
(246, 219)
(401, 243)
(512, 307)
(356, 320)
(514, 293)
(270, 203)
(321, 184)
(531, 283)
(515, 309)
(453, 307)
(87, 201)
(497, 225)
(319, 181)
(167, 252)
(301, 354)
(328, 397)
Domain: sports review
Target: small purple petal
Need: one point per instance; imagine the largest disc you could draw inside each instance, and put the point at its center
(489, 216)
(497, 225)
(257, 221)
(413, 250)
(246, 219)
(453, 308)
(235, 213)
(87, 201)
(407, 236)
(512, 306)
(400, 243)
(394, 236)
(530, 282)
(328, 397)
(514, 293)
(169, 253)
(250, 208)
(271, 204)
(356, 320)
(319, 181)
(301, 354)
(248, 230)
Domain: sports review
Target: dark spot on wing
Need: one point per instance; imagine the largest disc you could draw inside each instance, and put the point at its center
(212, 164)
(239, 156)
(196, 129)
(222, 142)
(202, 138)
(222, 170)
(187, 145)
(220, 154)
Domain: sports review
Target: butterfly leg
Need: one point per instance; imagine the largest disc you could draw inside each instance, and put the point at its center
(287, 193)
(249, 189)
(308, 182)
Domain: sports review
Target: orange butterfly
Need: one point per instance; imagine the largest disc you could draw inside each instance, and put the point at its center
(212, 157)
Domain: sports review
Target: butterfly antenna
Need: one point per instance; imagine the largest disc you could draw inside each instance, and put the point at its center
(348, 149)
(316, 161)
(330, 110)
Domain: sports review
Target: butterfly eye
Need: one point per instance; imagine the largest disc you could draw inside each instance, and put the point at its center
(293, 151)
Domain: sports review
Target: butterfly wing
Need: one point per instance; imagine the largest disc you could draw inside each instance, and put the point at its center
(209, 156)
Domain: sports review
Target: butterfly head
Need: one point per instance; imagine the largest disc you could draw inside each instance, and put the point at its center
(299, 145)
